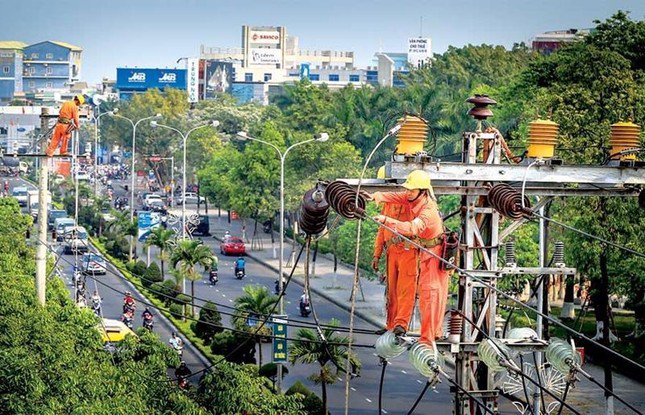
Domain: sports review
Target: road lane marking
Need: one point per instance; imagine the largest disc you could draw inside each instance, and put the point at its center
(404, 372)
(352, 389)
(418, 381)
(383, 410)
(368, 400)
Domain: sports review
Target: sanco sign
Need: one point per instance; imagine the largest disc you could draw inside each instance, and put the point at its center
(264, 37)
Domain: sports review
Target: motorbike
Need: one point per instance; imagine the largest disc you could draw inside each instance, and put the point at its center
(277, 287)
(148, 323)
(127, 320)
(96, 307)
(305, 309)
(129, 307)
(239, 274)
(266, 226)
(212, 277)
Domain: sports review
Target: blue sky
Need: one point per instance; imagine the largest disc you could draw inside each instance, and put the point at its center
(155, 33)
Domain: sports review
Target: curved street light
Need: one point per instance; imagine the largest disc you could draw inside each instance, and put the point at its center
(321, 137)
(134, 134)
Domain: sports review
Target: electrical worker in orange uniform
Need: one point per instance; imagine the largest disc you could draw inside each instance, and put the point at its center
(425, 227)
(401, 278)
(67, 122)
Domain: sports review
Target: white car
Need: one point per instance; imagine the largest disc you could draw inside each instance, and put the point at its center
(20, 193)
(190, 198)
(93, 264)
(75, 240)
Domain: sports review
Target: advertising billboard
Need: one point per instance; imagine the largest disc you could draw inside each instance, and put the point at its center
(192, 82)
(219, 77)
(147, 221)
(147, 78)
(419, 51)
(262, 56)
(266, 37)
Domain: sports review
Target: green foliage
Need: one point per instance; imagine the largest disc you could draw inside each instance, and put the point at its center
(187, 255)
(53, 358)
(237, 347)
(228, 389)
(152, 275)
(298, 387)
(208, 315)
(139, 269)
(176, 310)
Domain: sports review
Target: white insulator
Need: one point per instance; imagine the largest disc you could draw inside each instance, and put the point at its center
(492, 352)
(425, 359)
(387, 346)
(562, 355)
(522, 333)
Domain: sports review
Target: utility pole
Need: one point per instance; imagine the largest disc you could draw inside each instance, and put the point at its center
(41, 250)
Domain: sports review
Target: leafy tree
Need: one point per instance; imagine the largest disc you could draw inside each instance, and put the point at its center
(330, 356)
(236, 347)
(232, 389)
(256, 303)
(209, 317)
(160, 238)
(188, 254)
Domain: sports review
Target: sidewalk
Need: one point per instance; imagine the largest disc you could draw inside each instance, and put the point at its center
(335, 287)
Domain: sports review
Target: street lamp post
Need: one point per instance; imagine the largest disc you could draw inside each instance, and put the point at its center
(183, 181)
(134, 134)
(322, 137)
(97, 120)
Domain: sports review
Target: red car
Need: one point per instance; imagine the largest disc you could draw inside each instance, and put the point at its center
(232, 245)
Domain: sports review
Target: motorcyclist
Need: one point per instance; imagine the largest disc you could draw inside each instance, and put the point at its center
(212, 275)
(147, 317)
(128, 302)
(96, 303)
(176, 343)
(182, 373)
(239, 265)
(277, 285)
(304, 303)
(127, 318)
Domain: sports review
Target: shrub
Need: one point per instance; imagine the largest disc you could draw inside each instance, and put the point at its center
(157, 289)
(313, 405)
(176, 310)
(139, 268)
(182, 299)
(297, 387)
(168, 291)
(226, 343)
(152, 275)
(208, 315)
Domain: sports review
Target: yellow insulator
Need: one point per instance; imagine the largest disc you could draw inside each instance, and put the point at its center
(542, 138)
(625, 135)
(412, 135)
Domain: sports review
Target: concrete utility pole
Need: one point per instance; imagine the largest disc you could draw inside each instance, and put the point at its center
(41, 250)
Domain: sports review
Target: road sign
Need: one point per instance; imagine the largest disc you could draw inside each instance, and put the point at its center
(279, 338)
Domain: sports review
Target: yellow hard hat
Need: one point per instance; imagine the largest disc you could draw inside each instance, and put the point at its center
(381, 173)
(80, 98)
(418, 179)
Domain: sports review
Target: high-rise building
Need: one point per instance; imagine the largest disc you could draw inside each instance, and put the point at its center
(11, 53)
(50, 66)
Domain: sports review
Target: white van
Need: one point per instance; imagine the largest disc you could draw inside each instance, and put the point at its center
(59, 227)
(76, 240)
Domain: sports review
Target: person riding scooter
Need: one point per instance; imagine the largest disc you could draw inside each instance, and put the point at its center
(305, 307)
(127, 318)
(177, 344)
(128, 302)
(212, 275)
(147, 317)
(182, 373)
(96, 303)
(239, 268)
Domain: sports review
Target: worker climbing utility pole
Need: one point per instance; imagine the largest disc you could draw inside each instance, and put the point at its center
(401, 271)
(426, 228)
(67, 122)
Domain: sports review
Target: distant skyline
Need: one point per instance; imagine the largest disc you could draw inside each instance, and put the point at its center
(155, 33)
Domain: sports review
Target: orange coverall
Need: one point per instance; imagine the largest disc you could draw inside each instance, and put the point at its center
(62, 131)
(401, 278)
(425, 223)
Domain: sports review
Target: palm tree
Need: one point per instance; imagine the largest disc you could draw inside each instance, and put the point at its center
(188, 254)
(309, 349)
(256, 302)
(160, 237)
